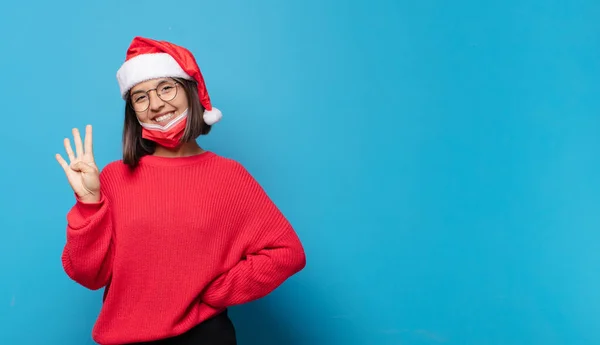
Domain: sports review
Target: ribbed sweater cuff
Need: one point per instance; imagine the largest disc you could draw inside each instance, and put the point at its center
(82, 213)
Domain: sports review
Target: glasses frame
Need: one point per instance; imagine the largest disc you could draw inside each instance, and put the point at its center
(147, 92)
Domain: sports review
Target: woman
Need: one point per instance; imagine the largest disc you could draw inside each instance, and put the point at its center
(174, 233)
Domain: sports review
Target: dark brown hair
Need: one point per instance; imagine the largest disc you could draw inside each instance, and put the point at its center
(135, 147)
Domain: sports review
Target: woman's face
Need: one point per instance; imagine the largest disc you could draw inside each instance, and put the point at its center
(158, 101)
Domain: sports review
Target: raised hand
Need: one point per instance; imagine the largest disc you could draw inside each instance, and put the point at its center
(81, 171)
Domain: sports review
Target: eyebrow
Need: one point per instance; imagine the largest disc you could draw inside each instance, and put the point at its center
(158, 83)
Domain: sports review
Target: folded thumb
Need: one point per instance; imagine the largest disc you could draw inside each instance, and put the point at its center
(81, 166)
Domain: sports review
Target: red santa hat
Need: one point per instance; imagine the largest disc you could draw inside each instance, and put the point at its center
(148, 59)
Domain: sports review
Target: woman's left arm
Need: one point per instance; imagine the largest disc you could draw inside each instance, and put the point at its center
(258, 274)
(274, 253)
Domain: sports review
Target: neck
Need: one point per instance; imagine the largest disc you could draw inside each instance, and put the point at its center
(188, 149)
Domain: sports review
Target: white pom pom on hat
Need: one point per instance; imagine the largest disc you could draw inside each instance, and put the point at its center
(148, 59)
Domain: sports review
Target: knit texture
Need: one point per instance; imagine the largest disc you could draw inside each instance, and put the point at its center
(174, 242)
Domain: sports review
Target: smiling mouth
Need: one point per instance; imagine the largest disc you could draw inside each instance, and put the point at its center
(164, 117)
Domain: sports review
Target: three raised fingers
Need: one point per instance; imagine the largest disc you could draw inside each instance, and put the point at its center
(79, 148)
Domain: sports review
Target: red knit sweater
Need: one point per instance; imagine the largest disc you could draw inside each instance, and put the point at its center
(175, 242)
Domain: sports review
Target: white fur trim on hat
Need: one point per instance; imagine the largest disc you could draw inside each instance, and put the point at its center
(145, 67)
(212, 116)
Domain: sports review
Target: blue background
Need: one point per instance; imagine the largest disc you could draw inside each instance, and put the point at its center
(439, 160)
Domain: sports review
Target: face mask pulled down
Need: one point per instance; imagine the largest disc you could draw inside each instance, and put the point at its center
(168, 135)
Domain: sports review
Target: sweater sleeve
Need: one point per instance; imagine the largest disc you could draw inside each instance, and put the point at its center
(88, 253)
(274, 251)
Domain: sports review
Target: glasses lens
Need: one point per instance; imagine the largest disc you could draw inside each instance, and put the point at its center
(140, 101)
(167, 91)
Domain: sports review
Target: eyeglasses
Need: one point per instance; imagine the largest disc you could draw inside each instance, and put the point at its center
(166, 91)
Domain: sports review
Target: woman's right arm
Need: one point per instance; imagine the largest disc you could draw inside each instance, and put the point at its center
(88, 253)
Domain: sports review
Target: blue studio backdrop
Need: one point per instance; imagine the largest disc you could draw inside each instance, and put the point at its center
(439, 160)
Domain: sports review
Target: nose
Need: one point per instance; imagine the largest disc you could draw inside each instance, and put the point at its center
(155, 102)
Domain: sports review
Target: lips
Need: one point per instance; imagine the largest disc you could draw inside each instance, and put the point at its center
(163, 117)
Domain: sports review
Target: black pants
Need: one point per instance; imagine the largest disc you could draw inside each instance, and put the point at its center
(217, 330)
